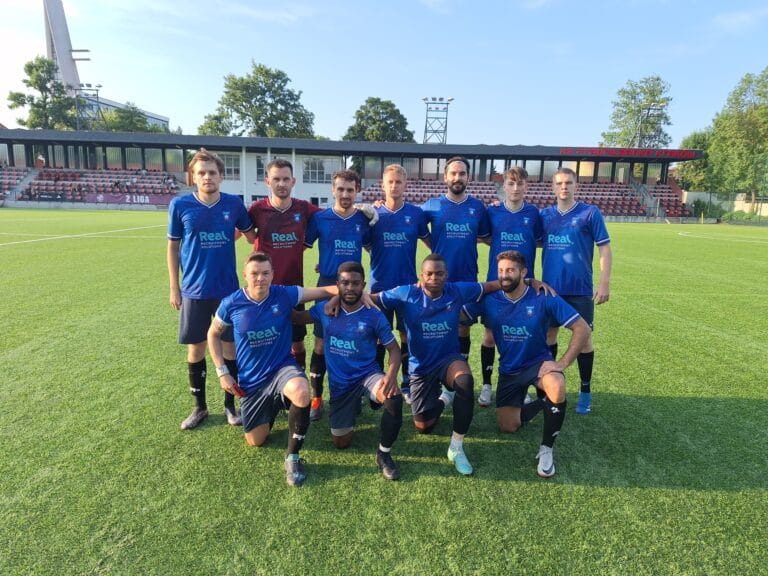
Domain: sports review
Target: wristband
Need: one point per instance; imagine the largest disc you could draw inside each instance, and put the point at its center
(222, 371)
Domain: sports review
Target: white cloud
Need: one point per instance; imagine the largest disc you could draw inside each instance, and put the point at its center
(737, 22)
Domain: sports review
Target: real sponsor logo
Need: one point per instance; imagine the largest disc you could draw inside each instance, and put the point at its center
(395, 237)
(556, 240)
(259, 335)
(512, 237)
(345, 244)
(452, 227)
(341, 344)
(508, 330)
(279, 237)
(212, 237)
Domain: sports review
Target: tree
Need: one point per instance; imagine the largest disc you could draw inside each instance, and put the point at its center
(259, 104)
(379, 120)
(738, 149)
(640, 115)
(50, 108)
(128, 119)
(693, 174)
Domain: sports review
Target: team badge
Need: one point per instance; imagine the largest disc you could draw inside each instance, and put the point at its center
(407, 219)
(276, 309)
(361, 327)
(357, 228)
(297, 217)
(226, 216)
(471, 211)
(526, 220)
(575, 221)
(529, 311)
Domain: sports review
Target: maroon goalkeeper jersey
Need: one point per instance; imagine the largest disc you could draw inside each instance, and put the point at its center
(280, 233)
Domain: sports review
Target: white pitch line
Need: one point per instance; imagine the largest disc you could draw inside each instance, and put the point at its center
(724, 238)
(84, 235)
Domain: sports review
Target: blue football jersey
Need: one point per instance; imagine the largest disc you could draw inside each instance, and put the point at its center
(520, 230)
(393, 246)
(350, 344)
(207, 252)
(454, 230)
(520, 326)
(432, 324)
(340, 239)
(569, 245)
(262, 333)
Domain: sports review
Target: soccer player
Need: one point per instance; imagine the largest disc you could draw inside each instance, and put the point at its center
(341, 231)
(431, 313)
(201, 240)
(393, 251)
(514, 225)
(350, 352)
(280, 223)
(456, 222)
(520, 319)
(269, 378)
(571, 230)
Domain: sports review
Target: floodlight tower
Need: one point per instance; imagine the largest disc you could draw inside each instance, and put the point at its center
(436, 124)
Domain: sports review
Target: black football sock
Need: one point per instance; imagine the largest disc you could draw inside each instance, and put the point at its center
(298, 424)
(317, 373)
(301, 359)
(528, 411)
(229, 399)
(404, 355)
(554, 415)
(553, 350)
(380, 352)
(391, 420)
(464, 345)
(463, 403)
(585, 361)
(486, 362)
(197, 374)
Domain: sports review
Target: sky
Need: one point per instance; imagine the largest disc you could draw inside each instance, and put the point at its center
(520, 71)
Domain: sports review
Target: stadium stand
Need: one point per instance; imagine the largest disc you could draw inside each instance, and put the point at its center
(10, 177)
(68, 185)
(669, 201)
(612, 199)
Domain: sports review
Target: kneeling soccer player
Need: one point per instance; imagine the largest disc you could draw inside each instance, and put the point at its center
(269, 378)
(350, 353)
(519, 320)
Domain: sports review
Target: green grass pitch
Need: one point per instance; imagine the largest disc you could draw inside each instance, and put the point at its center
(666, 476)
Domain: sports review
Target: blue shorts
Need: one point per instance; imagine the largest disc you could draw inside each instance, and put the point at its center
(426, 388)
(584, 305)
(343, 409)
(195, 319)
(512, 388)
(262, 405)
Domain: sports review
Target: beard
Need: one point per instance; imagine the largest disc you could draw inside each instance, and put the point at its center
(457, 187)
(510, 285)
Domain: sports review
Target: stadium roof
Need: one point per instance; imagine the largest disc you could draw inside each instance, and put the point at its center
(335, 147)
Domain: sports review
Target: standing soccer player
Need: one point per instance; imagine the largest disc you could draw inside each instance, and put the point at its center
(393, 252)
(456, 222)
(571, 231)
(342, 232)
(350, 352)
(201, 240)
(514, 225)
(259, 315)
(280, 223)
(520, 319)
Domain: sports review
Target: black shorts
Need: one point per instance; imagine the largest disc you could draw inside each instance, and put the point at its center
(584, 305)
(512, 388)
(195, 319)
(343, 408)
(260, 406)
(426, 388)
